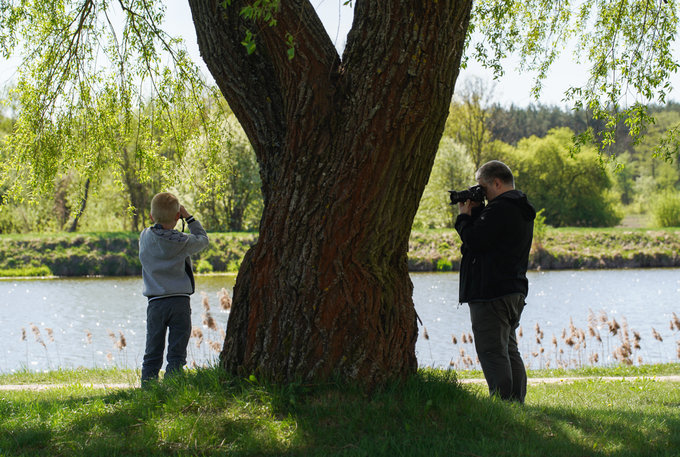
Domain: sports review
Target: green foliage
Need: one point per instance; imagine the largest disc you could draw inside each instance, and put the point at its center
(666, 209)
(540, 229)
(100, 99)
(444, 265)
(452, 170)
(469, 120)
(24, 272)
(629, 45)
(573, 189)
(225, 201)
(203, 266)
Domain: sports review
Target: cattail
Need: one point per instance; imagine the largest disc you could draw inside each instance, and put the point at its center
(36, 334)
(208, 321)
(541, 350)
(594, 358)
(679, 349)
(591, 331)
(470, 338)
(603, 317)
(224, 299)
(88, 334)
(215, 346)
(454, 340)
(425, 334)
(464, 336)
(614, 327)
(451, 364)
(113, 337)
(50, 334)
(564, 333)
(535, 354)
(521, 332)
(198, 334)
(554, 341)
(639, 360)
(636, 339)
(121, 342)
(23, 334)
(656, 335)
(572, 328)
(538, 340)
(591, 318)
(570, 342)
(206, 303)
(109, 357)
(462, 352)
(677, 321)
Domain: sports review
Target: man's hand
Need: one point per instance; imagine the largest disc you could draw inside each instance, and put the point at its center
(183, 213)
(466, 207)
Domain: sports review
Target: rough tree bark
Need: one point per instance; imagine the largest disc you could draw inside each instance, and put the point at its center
(345, 148)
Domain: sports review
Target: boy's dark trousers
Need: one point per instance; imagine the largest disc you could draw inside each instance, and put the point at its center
(173, 313)
(493, 325)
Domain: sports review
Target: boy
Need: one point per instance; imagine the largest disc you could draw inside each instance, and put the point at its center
(168, 282)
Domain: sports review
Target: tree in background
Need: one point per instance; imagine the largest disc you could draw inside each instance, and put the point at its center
(468, 120)
(229, 201)
(573, 189)
(453, 170)
(345, 144)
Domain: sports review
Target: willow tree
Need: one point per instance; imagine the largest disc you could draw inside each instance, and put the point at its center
(345, 146)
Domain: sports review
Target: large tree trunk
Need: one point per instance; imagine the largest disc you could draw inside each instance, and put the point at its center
(345, 149)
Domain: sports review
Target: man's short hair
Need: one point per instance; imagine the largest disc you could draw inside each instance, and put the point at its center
(496, 169)
(164, 208)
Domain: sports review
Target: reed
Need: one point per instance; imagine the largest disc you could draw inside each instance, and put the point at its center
(577, 347)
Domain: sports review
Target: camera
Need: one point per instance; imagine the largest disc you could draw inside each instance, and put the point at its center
(474, 193)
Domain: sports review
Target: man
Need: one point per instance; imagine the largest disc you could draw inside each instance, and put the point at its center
(496, 243)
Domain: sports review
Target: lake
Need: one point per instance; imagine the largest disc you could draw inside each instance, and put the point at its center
(572, 318)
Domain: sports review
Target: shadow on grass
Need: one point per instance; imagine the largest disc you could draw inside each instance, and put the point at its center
(210, 413)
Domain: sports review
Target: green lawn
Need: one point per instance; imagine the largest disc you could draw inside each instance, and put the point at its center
(207, 412)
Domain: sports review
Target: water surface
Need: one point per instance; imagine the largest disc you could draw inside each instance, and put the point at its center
(83, 322)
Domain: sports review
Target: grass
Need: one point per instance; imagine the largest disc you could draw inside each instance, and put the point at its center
(210, 413)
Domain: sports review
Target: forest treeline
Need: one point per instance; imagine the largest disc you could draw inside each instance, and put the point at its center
(573, 187)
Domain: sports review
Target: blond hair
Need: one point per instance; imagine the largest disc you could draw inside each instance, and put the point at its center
(164, 208)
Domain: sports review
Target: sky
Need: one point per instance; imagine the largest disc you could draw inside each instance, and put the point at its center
(512, 88)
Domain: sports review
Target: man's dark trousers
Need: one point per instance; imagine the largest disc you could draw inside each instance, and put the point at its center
(493, 324)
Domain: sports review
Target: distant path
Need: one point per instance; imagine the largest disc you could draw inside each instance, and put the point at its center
(564, 380)
(84, 385)
(568, 380)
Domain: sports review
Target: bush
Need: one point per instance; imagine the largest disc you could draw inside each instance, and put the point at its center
(573, 188)
(444, 265)
(203, 266)
(666, 210)
(29, 271)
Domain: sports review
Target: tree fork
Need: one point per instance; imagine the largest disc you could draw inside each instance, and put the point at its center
(345, 149)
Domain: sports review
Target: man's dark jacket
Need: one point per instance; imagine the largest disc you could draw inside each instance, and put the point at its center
(496, 243)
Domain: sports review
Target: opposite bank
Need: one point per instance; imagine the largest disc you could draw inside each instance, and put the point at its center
(116, 254)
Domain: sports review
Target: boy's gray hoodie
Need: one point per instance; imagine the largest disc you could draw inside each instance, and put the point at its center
(165, 257)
